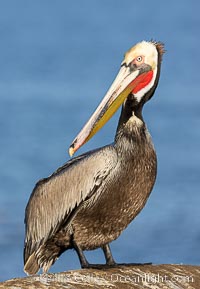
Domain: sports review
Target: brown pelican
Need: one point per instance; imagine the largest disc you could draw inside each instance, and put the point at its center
(92, 198)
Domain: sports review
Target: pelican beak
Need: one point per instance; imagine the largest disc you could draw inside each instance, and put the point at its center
(125, 82)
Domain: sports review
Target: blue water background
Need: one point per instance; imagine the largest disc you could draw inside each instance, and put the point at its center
(57, 59)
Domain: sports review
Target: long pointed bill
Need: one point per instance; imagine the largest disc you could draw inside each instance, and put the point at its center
(124, 83)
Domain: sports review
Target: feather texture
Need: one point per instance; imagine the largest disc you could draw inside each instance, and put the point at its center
(56, 198)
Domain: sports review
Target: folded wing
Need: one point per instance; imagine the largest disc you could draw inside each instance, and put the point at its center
(55, 198)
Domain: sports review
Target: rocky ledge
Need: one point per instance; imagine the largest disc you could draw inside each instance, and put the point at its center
(122, 276)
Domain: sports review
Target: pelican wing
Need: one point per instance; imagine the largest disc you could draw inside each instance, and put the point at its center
(55, 198)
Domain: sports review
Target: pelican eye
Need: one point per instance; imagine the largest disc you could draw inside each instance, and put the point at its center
(136, 63)
(139, 58)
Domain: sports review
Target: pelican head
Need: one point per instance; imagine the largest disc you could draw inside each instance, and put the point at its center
(138, 76)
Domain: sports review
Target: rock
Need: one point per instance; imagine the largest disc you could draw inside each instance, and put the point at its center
(122, 276)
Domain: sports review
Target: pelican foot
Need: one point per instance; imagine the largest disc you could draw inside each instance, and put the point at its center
(112, 265)
(134, 264)
(98, 266)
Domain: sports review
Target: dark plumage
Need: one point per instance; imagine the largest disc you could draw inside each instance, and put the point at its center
(90, 200)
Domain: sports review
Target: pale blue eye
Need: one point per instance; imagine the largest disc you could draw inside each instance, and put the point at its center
(139, 58)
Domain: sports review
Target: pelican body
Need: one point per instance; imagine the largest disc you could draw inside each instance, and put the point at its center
(92, 198)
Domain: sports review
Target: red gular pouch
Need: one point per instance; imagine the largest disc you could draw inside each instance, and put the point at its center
(141, 81)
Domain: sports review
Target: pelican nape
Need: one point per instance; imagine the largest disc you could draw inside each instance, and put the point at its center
(90, 200)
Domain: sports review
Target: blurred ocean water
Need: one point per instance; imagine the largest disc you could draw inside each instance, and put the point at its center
(57, 59)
